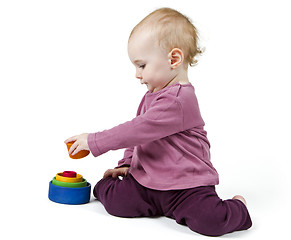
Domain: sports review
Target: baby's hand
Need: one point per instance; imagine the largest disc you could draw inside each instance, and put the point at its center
(116, 172)
(81, 143)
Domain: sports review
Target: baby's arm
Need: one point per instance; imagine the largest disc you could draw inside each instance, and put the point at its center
(164, 118)
(82, 144)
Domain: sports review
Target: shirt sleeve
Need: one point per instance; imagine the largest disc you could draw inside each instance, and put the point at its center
(163, 118)
(127, 157)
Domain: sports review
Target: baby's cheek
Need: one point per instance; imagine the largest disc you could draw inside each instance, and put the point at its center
(151, 75)
(163, 70)
(159, 73)
(156, 75)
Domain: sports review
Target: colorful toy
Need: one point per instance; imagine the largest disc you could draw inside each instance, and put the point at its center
(69, 174)
(67, 190)
(60, 177)
(67, 184)
(81, 154)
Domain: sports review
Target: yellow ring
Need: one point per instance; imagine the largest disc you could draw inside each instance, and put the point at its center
(60, 177)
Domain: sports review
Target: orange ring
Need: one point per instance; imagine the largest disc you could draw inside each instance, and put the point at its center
(81, 154)
(60, 177)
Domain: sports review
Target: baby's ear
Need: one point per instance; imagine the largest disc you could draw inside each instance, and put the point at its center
(176, 57)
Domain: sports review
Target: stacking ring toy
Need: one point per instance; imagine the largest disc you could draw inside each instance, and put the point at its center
(70, 185)
(61, 178)
(71, 174)
(67, 195)
(81, 154)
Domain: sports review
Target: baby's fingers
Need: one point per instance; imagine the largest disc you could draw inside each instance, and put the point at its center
(73, 148)
(125, 171)
(71, 139)
(115, 174)
(77, 149)
(108, 173)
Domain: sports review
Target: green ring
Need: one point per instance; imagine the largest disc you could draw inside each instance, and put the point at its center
(70, 185)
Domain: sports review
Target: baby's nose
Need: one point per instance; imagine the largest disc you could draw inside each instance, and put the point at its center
(138, 75)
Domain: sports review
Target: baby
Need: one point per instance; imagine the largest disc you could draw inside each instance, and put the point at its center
(166, 167)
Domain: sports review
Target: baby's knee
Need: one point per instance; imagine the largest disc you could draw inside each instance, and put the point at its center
(226, 218)
(114, 207)
(211, 225)
(119, 197)
(123, 204)
(101, 188)
(106, 191)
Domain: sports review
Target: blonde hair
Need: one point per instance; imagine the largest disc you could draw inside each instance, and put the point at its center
(174, 30)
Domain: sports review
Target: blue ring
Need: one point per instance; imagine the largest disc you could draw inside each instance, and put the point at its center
(67, 195)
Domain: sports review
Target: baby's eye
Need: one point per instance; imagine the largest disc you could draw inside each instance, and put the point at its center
(142, 66)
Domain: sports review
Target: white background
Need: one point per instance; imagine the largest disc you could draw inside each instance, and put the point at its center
(64, 70)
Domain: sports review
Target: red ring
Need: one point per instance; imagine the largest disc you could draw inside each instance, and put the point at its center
(70, 174)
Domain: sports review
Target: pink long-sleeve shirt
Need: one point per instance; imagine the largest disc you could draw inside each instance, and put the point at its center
(166, 144)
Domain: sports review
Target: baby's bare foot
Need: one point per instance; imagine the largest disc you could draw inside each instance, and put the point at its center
(241, 198)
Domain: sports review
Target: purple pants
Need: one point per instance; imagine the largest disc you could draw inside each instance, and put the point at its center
(199, 208)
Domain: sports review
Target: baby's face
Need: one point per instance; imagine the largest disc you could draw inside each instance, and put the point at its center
(153, 66)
